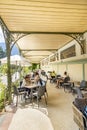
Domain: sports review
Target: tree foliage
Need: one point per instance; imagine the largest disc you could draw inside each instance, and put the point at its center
(2, 53)
(2, 95)
(34, 66)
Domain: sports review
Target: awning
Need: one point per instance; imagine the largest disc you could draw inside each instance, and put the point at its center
(43, 16)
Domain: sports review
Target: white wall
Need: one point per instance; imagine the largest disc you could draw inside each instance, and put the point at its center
(74, 68)
(85, 71)
(75, 71)
(62, 69)
(47, 68)
(55, 67)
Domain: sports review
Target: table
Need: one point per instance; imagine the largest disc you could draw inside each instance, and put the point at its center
(31, 87)
(30, 119)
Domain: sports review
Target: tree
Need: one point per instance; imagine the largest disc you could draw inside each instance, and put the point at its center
(34, 66)
(2, 53)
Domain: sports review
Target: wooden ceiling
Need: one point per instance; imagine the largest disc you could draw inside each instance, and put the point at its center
(45, 16)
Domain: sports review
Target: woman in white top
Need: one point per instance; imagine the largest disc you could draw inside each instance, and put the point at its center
(61, 79)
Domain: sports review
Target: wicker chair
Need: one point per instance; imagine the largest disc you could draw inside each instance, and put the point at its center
(79, 118)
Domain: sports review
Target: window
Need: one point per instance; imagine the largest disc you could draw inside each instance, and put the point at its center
(53, 58)
(67, 53)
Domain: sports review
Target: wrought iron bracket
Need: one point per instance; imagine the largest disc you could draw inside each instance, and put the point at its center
(79, 38)
(17, 37)
(9, 38)
(76, 36)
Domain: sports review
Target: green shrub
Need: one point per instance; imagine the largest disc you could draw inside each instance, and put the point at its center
(2, 95)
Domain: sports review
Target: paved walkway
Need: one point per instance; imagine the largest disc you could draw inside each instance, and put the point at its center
(7, 119)
(59, 109)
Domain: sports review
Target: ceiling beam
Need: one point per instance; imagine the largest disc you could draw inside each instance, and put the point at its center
(39, 49)
(35, 55)
(37, 32)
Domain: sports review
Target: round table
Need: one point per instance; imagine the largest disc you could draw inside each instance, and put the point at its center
(30, 119)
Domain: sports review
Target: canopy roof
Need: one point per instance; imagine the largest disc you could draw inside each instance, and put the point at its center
(44, 16)
(36, 47)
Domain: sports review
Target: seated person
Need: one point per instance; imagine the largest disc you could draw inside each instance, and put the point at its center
(36, 77)
(44, 77)
(26, 82)
(57, 77)
(62, 79)
(53, 75)
(37, 80)
(41, 82)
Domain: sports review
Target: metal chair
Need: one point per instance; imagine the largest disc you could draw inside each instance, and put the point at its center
(46, 89)
(66, 83)
(83, 85)
(17, 93)
(39, 93)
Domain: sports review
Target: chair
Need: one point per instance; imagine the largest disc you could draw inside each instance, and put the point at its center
(66, 83)
(46, 88)
(83, 85)
(21, 83)
(39, 93)
(79, 118)
(17, 93)
(79, 93)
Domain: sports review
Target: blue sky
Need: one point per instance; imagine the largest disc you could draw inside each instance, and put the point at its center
(15, 51)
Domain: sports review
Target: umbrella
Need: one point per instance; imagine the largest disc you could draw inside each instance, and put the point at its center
(16, 59)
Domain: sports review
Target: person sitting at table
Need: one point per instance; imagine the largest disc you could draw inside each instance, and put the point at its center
(38, 80)
(40, 83)
(36, 77)
(26, 82)
(61, 79)
(43, 76)
(53, 75)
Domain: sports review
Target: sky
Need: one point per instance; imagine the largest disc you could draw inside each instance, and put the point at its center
(15, 51)
(1, 36)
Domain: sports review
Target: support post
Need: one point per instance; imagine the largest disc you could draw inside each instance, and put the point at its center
(8, 40)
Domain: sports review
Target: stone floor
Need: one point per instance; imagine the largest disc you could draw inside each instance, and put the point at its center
(7, 119)
(59, 109)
